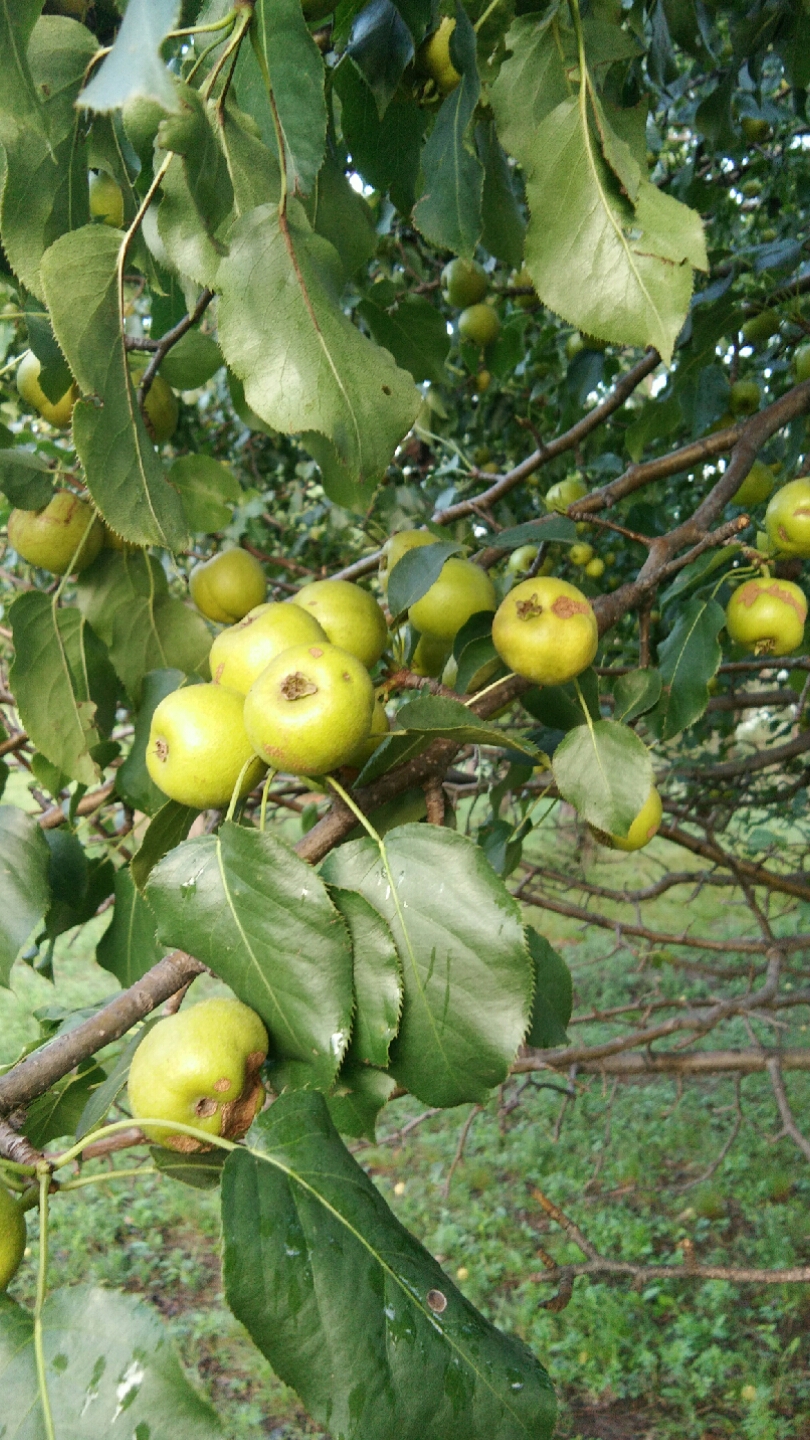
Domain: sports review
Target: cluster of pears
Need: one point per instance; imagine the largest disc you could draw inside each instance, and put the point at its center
(465, 285)
(290, 686)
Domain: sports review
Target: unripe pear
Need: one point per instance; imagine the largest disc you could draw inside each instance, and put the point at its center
(642, 830)
(430, 656)
(435, 57)
(756, 487)
(595, 568)
(580, 554)
(787, 518)
(545, 630)
(350, 617)
(240, 653)
(161, 404)
(310, 709)
(198, 746)
(758, 329)
(462, 590)
(106, 199)
(744, 397)
(50, 538)
(565, 492)
(57, 413)
(228, 586)
(767, 616)
(465, 283)
(479, 324)
(12, 1237)
(521, 559)
(801, 363)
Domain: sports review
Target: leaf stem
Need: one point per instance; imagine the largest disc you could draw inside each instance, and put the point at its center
(105, 1175)
(42, 1289)
(482, 19)
(237, 787)
(265, 792)
(223, 24)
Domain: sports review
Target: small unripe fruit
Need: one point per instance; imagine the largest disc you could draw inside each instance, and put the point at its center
(767, 616)
(801, 363)
(787, 518)
(522, 280)
(200, 1067)
(228, 585)
(565, 493)
(521, 559)
(465, 283)
(580, 554)
(759, 328)
(198, 745)
(161, 405)
(479, 324)
(744, 397)
(49, 538)
(58, 412)
(435, 57)
(756, 487)
(106, 199)
(642, 830)
(310, 709)
(595, 568)
(240, 653)
(483, 381)
(461, 590)
(12, 1237)
(545, 630)
(350, 617)
(755, 129)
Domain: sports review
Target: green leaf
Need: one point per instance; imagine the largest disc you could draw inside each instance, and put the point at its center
(381, 46)
(343, 1301)
(687, 659)
(342, 216)
(356, 1099)
(504, 228)
(24, 891)
(377, 979)
(305, 367)
(553, 994)
(129, 947)
(78, 884)
(243, 903)
(168, 829)
(204, 484)
(636, 693)
(385, 151)
(413, 330)
(58, 1112)
(295, 75)
(415, 572)
(104, 1353)
(63, 712)
(533, 80)
(449, 210)
(187, 240)
(466, 971)
(698, 571)
(659, 419)
(133, 66)
(560, 707)
(25, 479)
(605, 772)
(200, 1171)
(192, 361)
(103, 1097)
(132, 780)
(549, 529)
(45, 190)
(54, 375)
(123, 472)
(252, 163)
(124, 595)
(203, 195)
(434, 717)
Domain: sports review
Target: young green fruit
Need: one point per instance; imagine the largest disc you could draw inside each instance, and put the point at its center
(349, 616)
(106, 199)
(756, 487)
(198, 745)
(564, 493)
(483, 380)
(310, 709)
(465, 283)
(12, 1237)
(397, 546)
(546, 630)
(379, 730)
(787, 518)
(479, 324)
(435, 57)
(801, 363)
(58, 412)
(755, 129)
(430, 656)
(200, 1067)
(767, 616)
(642, 829)
(50, 538)
(461, 590)
(580, 554)
(758, 329)
(744, 397)
(521, 559)
(595, 568)
(161, 405)
(240, 653)
(228, 586)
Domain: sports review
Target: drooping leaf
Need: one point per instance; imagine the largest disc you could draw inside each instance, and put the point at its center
(58, 1111)
(295, 73)
(605, 772)
(252, 162)
(556, 528)
(188, 245)
(24, 892)
(63, 714)
(205, 484)
(357, 1097)
(129, 946)
(133, 66)
(562, 707)
(25, 479)
(412, 329)
(553, 994)
(305, 1229)
(449, 210)
(78, 883)
(122, 469)
(54, 372)
(105, 1354)
(466, 972)
(202, 1171)
(104, 1096)
(381, 45)
(192, 361)
(635, 694)
(504, 228)
(687, 659)
(198, 194)
(243, 903)
(168, 829)
(437, 718)
(385, 151)
(305, 367)
(377, 979)
(342, 217)
(415, 572)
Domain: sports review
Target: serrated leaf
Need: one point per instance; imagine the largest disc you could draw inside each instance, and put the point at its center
(449, 210)
(380, 45)
(532, 80)
(25, 479)
(123, 472)
(103, 1344)
(687, 659)
(168, 829)
(129, 946)
(204, 484)
(133, 66)
(549, 529)
(24, 890)
(198, 195)
(252, 162)
(243, 903)
(305, 367)
(305, 1229)
(357, 1097)
(605, 772)
(58, 1111)
(377, 979)
(466, 972)
(415, 572)
(385, 152)
(60, 676)
(504, 228)
(295, 75)
(553, 994)
(187, 241)
(125, 597)
(413, 330)
(636, 693)
(192, 361)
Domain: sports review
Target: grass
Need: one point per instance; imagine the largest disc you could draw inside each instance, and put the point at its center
(665, 1360)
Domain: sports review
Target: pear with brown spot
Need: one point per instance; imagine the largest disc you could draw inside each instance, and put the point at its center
(310, 709)
(545, 630)
(767, 616)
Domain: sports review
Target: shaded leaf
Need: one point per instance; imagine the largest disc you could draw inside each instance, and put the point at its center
(133, 66)
(204, 485)
(605, 772)
(200, 1171)
(548, 529)
(24, 891)
(25, 479)
(377, 979)
(385, 152)
(415, 572)
(504, 227)
(168, 829)
(192, 361)
(342, 217)
(381, 45)
(687, 659)
(553, 994)
(413, 330)
(132, 780)
(449, 210)
(356, 1099)
(635, 694)
(58, 1112)
(129, 946)
(103, 1097)
(295, 74)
